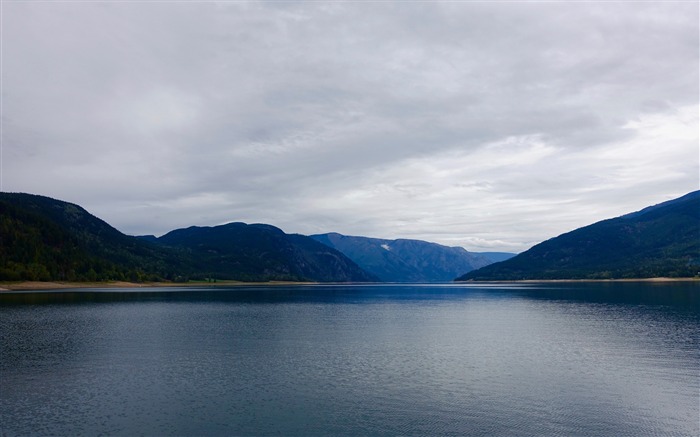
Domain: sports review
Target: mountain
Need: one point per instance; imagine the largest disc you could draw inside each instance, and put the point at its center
(262, 252)
(47, 239)
(659, 241)
(404, 260)
(495, 257)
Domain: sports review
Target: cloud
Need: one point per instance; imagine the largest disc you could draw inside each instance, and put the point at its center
(475, 124)
(519, 191)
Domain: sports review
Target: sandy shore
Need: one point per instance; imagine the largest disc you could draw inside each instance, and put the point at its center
(36, 285)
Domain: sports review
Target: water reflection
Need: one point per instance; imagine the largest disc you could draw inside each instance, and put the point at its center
(532, 359)
(676, 294)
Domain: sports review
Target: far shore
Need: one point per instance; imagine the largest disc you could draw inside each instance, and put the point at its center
(39, 285)
(540, 281)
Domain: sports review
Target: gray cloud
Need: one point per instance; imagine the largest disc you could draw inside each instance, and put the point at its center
(475, 124)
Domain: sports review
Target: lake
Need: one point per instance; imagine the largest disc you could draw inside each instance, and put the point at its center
(615, 359)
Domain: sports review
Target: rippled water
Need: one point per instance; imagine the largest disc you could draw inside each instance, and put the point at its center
(583, 359)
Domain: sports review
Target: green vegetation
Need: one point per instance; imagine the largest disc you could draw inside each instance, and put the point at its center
(261, 252)
(659, 241)
(43, 239)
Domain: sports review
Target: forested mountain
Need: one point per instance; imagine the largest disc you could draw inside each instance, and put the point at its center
(47, 239)
(659, 241)
(262, 252)
(405, 260)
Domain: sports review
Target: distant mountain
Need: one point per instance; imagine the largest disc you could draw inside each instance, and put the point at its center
(46, 239)
(659, 241)
(495, 257)
(262, 252)
(404, 260)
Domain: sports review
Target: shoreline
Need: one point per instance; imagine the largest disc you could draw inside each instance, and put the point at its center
(553, 281)
(59, 285)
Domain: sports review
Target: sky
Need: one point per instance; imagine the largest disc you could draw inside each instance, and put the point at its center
(487, 125)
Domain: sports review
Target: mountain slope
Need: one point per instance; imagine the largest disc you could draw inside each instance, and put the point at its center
(404, 260)
(659, 241)
(47, 239)
(496, 257)
(262, 252)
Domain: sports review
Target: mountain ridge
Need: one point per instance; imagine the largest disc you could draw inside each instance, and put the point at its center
(404, 260)
(262, 251)
(662, 240)
(47, 239)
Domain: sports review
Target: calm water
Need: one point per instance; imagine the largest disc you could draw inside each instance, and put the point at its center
(604, 359)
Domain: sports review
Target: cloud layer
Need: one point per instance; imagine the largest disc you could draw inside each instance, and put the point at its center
(491, 126)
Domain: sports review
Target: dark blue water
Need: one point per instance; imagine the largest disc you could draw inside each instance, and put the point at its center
(554, 360)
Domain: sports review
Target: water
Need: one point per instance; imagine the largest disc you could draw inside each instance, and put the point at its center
(554, 360)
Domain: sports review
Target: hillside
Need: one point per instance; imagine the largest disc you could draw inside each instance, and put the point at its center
(405, 260)
(659, 241)
(262, 252)
(495, 257)
(47, 239)
(50, 240)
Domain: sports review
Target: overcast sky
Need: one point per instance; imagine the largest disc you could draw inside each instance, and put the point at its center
(491, 126)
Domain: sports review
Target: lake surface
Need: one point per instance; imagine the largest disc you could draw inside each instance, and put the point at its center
(616, 359)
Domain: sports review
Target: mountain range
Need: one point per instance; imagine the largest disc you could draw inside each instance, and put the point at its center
(262, 252)
(408, 260)
(659, 241)
(52, 240)
(47, 239)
